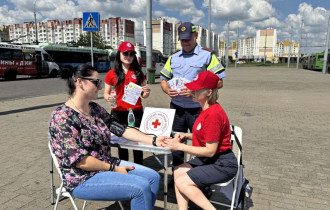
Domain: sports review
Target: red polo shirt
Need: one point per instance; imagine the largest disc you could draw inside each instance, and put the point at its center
(111, 79)
(212, 124)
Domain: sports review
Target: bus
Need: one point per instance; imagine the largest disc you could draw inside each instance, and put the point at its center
(67, 56)
(314, 61)
(16, 59)
(141, 55)
(157, 59)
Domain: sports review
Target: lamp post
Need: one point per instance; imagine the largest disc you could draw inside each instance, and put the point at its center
(265, 47)
(209, 27)
(35, 21)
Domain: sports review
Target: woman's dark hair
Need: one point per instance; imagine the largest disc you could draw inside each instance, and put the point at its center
(120, 73)
(71, 74)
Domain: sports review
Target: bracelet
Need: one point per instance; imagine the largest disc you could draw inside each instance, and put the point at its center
(112, 167)
(154, 141)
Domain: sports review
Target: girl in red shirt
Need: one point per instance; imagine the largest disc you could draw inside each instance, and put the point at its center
(214, 161)
(126, 70)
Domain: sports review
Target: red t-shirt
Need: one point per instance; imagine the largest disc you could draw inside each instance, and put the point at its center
(111, 79)
(212, 124)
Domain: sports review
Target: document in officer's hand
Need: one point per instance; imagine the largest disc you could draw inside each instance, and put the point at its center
(177, 83)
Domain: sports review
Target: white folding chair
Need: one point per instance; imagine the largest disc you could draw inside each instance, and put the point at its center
(236, 141)
(61, 191)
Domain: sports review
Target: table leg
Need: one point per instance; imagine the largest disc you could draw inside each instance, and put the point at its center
(51, 182)
(165, 181)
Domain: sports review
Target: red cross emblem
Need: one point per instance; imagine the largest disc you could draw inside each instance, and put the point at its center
(156, 123)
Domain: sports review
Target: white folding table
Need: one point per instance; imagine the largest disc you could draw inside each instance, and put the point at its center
(123, 143)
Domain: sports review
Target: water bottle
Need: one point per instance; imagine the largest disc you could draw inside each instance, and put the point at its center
(131, 118)
(113, 93)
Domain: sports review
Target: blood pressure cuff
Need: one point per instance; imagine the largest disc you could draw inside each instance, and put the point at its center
(116, 128)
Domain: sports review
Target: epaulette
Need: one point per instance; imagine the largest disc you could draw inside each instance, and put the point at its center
(207, 49)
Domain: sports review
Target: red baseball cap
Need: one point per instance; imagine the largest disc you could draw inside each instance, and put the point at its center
(126, 46)
(204, 79)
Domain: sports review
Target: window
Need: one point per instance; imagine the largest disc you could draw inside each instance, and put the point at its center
(5, 54)
(17, 55)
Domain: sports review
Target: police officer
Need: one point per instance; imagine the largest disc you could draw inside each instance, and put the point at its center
(187, 63)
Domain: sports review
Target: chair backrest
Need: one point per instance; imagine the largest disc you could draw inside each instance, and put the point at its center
(236, 142)
(57, 166)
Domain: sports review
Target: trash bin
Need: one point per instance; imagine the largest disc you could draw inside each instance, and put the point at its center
(151, 75)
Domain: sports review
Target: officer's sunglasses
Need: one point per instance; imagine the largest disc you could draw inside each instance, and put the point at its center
(96, 82)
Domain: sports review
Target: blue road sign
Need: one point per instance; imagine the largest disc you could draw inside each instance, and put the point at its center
(91, 21)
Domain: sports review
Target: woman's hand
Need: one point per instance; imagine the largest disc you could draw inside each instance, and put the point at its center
(123, 169)
(145, 91)
(111, 99)
(160, 141)
(172, 143)
(180, 136)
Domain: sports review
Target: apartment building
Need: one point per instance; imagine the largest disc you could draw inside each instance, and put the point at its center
(265, 44)
(165, 37)
(4, 33)
(283, 49)
(222, 49)
(113, 30)
(162, 35)
(116, 30)
(247, 48)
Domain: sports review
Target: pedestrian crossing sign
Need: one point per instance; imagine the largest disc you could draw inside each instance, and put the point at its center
(91, 21)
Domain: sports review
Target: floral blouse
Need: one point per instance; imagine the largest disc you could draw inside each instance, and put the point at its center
(74, 137)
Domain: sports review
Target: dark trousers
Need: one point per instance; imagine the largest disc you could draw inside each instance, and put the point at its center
(184, 119)
(121, 116)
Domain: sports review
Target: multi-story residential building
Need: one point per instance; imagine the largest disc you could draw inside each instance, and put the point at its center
(4, 33)
(201, 39)
(113, 30)
(116, 30)
(162, 36)
(265, 44)
(222, 49)
(283, 48)
(247, 48)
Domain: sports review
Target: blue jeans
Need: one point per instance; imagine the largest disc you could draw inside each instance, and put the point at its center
(139, 185)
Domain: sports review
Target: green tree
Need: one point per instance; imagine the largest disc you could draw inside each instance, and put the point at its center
(85, 40)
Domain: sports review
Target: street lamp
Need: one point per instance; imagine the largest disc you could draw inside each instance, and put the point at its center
(227, 51)
(326, 50)
(209, 27)
(35, 21)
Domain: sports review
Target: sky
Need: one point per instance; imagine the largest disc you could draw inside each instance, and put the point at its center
(245, 17)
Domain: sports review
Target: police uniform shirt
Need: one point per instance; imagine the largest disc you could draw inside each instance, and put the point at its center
(188, 65)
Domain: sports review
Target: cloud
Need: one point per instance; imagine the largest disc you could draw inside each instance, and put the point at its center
(185, 8)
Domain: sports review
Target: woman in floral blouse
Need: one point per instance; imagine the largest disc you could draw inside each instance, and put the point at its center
(80, 138)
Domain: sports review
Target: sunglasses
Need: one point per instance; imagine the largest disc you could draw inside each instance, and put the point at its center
(128, 54)
(96, 82)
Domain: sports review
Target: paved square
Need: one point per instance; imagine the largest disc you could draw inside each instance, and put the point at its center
(284, 114)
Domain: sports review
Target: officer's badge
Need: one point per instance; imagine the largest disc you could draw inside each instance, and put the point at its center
(183, 28)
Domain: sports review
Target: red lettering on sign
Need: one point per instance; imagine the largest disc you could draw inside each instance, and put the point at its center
(156, 123)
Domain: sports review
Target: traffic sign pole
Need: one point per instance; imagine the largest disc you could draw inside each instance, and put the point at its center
(91, 22)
